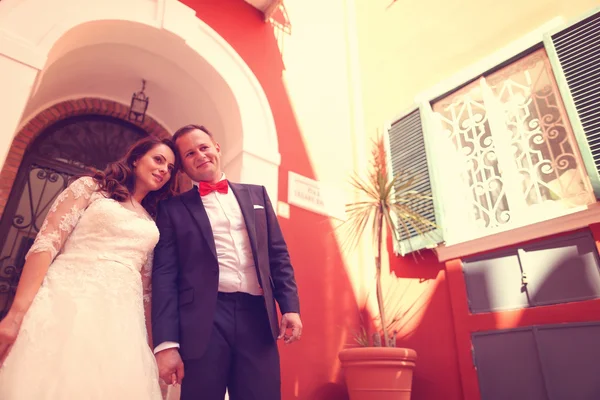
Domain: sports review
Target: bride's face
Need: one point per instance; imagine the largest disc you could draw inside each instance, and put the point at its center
(153, 170)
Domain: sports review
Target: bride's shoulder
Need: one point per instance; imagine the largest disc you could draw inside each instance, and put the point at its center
(85, 181)
(84, 186)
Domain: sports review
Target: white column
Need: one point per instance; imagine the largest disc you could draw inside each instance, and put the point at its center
(19, 66)
(16, 82)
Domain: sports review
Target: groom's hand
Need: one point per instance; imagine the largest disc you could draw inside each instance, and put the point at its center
(290, 321)
(170, 366)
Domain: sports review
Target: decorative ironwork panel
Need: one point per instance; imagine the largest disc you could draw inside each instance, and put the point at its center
(518, 156)
(63, 151)
(541, 139)
(42, 186)
(89, 141)
(465, 121)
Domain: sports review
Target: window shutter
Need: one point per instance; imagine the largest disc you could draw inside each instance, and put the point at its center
(407, 154)
(575, 55)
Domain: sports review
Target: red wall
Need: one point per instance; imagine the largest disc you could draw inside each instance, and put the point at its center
(310, 369)
(436, 375)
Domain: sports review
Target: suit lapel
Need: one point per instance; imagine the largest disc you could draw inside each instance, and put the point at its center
(242, 195)
(193, 203)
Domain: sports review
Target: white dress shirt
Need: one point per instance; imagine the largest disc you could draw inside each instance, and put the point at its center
(237, 272)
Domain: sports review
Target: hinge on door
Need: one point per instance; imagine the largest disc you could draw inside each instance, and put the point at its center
(524, 280)
(473, 357)
(521, 256)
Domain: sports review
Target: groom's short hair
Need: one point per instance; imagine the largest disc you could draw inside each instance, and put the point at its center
(187, 129)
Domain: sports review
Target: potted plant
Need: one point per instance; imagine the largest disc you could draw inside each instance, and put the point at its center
(377, 369)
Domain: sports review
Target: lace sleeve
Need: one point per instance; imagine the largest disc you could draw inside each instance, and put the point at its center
(147, 287)
(147, 278)
(63, 216)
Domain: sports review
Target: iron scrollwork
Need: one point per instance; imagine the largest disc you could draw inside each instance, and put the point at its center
(64, 150)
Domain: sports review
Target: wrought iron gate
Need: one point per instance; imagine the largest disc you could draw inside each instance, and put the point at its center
(60, 153)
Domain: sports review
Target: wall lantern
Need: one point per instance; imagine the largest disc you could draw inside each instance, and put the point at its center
(139, 105)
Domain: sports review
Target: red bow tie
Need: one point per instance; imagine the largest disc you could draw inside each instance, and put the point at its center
(205, 188)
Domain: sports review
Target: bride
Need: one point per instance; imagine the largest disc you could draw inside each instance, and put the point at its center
(76, 328)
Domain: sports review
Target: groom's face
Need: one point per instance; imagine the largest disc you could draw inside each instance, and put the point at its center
(200, 156)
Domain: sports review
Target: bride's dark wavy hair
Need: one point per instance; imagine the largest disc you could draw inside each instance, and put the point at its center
(117, 181)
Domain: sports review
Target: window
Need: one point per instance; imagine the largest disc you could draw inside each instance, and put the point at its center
(510, 154)
(514, 146)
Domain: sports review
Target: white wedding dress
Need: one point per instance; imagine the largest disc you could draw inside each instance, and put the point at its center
(85, 337)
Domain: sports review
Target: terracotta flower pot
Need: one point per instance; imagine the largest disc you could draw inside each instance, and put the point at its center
(378, 373)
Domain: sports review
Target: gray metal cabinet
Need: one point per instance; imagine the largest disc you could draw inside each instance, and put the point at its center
(553, 271)
(494, 282)
(550, 362)
(562, 270)
(508, 365)
(570, 357)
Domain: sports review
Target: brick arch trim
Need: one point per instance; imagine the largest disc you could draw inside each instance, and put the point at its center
(59, 111)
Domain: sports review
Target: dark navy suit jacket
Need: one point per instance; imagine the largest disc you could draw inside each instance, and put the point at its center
(185, 275)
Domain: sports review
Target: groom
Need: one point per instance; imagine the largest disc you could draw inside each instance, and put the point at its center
(219, 266)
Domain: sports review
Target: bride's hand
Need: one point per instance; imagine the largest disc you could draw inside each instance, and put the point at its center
(170, 366)
(9, 329)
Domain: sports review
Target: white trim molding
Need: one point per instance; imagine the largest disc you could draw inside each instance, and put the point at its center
(577, 220)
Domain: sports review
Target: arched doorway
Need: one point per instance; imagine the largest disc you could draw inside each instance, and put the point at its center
(62, 151)
(102, 49)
